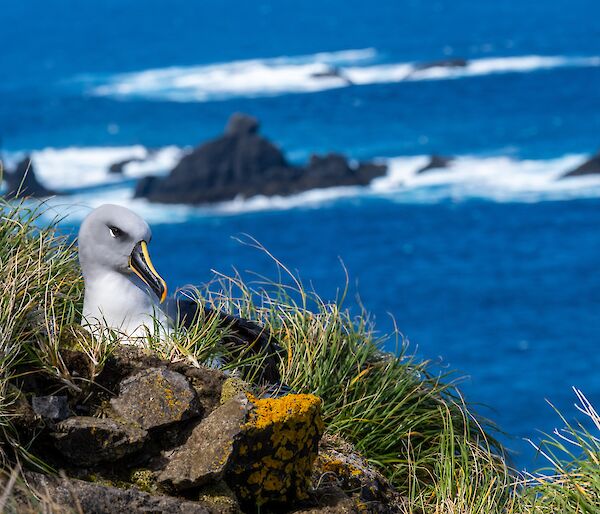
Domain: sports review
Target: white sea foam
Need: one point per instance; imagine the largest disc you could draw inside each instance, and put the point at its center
(499, 179)
(306, 74)
(67, 168)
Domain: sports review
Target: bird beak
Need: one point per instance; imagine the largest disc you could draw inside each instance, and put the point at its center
(141, 265)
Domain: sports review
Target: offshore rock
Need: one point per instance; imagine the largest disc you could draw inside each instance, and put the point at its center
(205, 455)
(156, 397)
(275, 452)
(436, 162)
(242, 163)
(23, 182)
(79, 496)
(590, 167)
(240, 124)
(457, 62)
(54, 408)
(117, 168)
(85, 440)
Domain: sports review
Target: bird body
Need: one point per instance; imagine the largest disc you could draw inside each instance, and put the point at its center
(130, 311)
(124, 292)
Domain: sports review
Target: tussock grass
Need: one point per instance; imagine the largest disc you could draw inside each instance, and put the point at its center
(405, 418)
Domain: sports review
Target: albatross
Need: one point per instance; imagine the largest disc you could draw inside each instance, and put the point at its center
(123, 290)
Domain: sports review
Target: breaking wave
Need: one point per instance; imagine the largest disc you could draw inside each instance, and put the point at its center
(307, 74)
(84, 173)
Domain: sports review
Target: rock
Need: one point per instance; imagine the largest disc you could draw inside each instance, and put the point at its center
(221, 496)
(240, 124)
(590, 167)
(443, 63)
(87, 441)
(117, 167)
(344, 481)
(242, 163)
(79, 496)
(333, 170)
(436, 162)
(128, 360)
(275, 451)
(22, 416)
(145, 186)
(232, 387)
(206, 454)
(54, 408)
(264, 449)
(332, 72)
(23, 181)
(156, 397)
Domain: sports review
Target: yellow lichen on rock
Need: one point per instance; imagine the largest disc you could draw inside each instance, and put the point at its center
(232, 387)
(280, 442)
(268, 411)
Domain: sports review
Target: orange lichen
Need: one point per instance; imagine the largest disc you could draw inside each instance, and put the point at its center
(280, 445)
(268, 411)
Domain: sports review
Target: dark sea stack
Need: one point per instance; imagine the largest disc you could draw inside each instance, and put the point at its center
(240, 124)
(23, 181)
(242, 163)
(436, 162)
(589, 167)
(236, 163)
(443, 63)
(333, 170)
(118, 167)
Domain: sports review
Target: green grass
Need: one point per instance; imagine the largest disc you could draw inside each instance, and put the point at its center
(409, 421)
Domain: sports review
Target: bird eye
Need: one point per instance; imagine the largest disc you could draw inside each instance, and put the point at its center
(115, 232)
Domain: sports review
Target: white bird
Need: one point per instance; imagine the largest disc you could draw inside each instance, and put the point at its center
(123, 290)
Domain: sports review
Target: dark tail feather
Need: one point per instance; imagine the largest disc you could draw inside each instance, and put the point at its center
(275, 390)
(242, 336)
(245, 337)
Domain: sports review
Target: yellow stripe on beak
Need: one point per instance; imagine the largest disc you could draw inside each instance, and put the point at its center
(141, 264)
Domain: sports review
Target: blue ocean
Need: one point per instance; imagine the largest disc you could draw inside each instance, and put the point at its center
(489, 267)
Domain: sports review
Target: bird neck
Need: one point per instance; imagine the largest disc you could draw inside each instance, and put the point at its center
(120, 302)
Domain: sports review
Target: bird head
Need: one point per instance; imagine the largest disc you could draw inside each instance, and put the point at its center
(113, 238)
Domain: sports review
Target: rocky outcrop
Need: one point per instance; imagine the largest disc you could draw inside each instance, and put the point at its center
(86, 440)
(116, 168)
(436, 162)
(93, 498)
(147, 432)
(206, 455)
(242, 163)
(274, 455)
(156, 397)
(22, 181)
(457, 62)
(589, 167)
(53, 407)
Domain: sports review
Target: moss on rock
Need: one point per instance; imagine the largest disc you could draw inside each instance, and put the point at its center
(232, 387)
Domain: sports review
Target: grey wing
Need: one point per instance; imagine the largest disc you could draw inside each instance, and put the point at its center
(241, 334)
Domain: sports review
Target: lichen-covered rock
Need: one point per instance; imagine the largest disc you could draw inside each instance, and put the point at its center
(205, 455)
(79, 496)
(339, 465)
(85, 441)
(276, 449)
(264, 448)
(232, 387)
(220, 496)
(144, 480)
(54, 408)
(156, 397)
